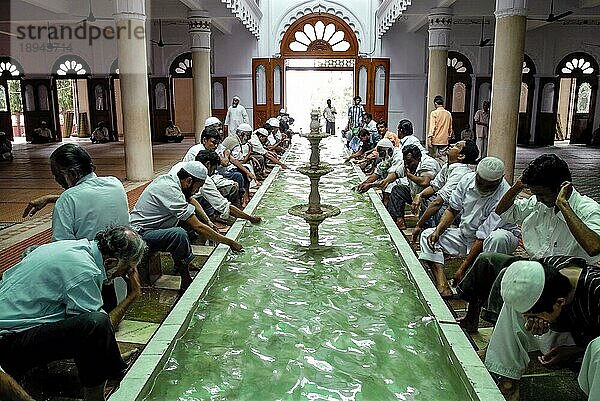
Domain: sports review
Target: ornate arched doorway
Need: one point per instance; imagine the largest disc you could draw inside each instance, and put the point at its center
(11, 103)
(333, 45)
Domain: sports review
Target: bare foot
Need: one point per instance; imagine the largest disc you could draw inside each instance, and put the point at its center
(509, 389)
(446, 293)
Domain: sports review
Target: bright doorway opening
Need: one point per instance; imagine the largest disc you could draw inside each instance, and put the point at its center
(307, 88)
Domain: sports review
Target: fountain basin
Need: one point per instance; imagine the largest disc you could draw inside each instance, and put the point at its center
(311, 172)
(302, 211)
(359, 319)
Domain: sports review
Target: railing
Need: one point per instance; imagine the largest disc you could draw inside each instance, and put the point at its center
(248, 12)
(388, 12)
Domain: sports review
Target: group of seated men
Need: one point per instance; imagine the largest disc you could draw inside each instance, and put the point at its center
(60, 302)
(548, 301)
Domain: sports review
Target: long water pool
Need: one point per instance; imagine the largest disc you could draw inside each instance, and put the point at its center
(282, 322)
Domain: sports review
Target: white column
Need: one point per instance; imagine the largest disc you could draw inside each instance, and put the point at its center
(440, 24)
(130, 17)
(199, 28)
(509, 44)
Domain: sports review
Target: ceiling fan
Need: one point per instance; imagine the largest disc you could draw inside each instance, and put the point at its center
(551, 17)
(53, 46)
(160, 42)
(91, 17)
(483, 42)
(592, 44)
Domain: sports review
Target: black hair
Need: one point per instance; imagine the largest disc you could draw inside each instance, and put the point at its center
(358, 98)
(121, 242)
(72, 157)
(207, 157)
(438, 100)
(383, 122)
(210, 133)
(369, 115)
(547, 170)
(182, 175)
(470, 151)
(413, 150)
(363, 132)
(555, 286)
(406, 127)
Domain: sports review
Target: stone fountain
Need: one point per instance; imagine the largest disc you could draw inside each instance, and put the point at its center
(314, 212)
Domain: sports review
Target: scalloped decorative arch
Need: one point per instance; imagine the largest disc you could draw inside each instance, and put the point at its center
(71, 66)
(459, 63)
(578, 64)
(181, 66)
(319, 35)
(10, 68)
(334, 8)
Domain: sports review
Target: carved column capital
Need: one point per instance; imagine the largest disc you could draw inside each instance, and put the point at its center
(440, 25)
(509, 8)
(199, 27)
(130, 9)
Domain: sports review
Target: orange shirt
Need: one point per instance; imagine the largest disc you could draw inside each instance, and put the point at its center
(392, 137)
(440, 126)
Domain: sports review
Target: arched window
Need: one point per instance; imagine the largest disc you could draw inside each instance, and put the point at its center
(459, 92)
(99, 97)
(528, 66)
(71, 66)
(3, 105)
(523, 98)
(29, 98)
(218, 96)
(10, 68)
(485, 91)
(322, 34)
(160, 94)
(584, 98)
(380, 76)
(547, 105)
(261, 85)
(43, 97)
(277, 85)
(181, 67)
(577, 64)
(362, 83)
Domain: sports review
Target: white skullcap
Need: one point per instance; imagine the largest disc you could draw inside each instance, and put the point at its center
(522, 285)
(236, 98)
(261, 131)
(195, 169)
(283, 111)
(273, 122)
(245, 127)
(490, 168)
(211, 121)
(385, 143)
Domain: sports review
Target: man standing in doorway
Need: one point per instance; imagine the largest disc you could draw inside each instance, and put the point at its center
(440, 130)
(236, 115)
(482, 126)
(329, 114)
(355, 118)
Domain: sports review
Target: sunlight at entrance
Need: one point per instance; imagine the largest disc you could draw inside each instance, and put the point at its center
(308, 89)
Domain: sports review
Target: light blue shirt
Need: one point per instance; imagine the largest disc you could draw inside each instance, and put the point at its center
(53, 282)
(90, 206)
(161, 205)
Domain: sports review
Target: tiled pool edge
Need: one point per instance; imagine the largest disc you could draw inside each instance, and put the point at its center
(472, 372)
(139, 379)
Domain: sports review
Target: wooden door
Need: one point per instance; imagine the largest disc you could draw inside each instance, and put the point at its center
(115, 104)
(5, 114)
(100, 101)
(458, 101)
(583, 109)
(161, 106)
(545, 127)
(39, 104)
(372, 84)
(220, 100)
(268, 85)
(525, 111)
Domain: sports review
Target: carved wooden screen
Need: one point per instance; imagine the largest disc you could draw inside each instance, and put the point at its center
(267, 88)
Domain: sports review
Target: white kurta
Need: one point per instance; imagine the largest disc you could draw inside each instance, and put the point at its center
(235, 116)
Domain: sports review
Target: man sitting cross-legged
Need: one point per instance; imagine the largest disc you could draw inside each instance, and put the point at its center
(475, 198)
(240, 150)
(551, 305)
(209, 196)
(260, 154)
(167, 202)
(419, 170)
(556, 220)
(460, 156)
(50, 306)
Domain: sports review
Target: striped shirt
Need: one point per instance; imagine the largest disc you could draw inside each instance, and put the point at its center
(355, 115)
(581, 316)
